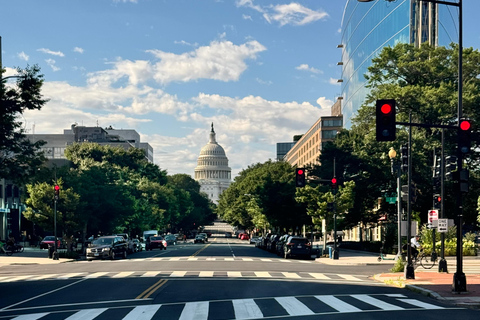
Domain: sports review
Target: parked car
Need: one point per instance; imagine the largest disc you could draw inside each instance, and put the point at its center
(204, 235)
(171, 239)
(107, 247)
(200, 239)
(49, 241)
(265, 239)
(296, 246)
(272, 243)
(137, 245)
(155, 242)
(254, 240)
(280, 243)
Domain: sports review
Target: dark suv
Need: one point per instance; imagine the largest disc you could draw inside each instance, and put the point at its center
(107, 248)
(296, 246)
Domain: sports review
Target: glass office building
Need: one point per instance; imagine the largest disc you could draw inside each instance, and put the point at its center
(368, 27)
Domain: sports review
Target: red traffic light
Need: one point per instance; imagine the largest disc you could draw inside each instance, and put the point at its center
(386, 108)
(465, 125)
(334, 180)
(300, 171)
(57, 187)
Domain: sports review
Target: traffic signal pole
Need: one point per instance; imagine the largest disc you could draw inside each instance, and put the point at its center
(409, 269)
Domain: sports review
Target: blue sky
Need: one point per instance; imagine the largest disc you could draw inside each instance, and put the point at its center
(260, 70)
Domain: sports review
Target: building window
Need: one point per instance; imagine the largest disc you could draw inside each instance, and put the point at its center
(329, 134)
(332, 123)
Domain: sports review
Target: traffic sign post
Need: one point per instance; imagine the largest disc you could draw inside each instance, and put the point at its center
(442, 225)
(433, 217)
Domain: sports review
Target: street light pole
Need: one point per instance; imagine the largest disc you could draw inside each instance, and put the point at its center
(396, 169)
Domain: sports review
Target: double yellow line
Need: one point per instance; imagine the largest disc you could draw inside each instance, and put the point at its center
(147, 293)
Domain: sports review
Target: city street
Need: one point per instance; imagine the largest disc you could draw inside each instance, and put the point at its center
(223, 279)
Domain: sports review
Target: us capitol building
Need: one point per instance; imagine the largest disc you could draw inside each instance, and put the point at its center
(212, 171)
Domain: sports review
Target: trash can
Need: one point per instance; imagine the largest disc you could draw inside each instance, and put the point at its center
(330, 252)
(50, 252)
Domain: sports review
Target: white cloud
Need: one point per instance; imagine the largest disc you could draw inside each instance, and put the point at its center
(183, 42)
(51, 63)
(221, 60)
(325, 103)
(78, 50)
(53, 53)
(306, 67)
(246, 17)
(263, 81)
(22, 55)
(292, 14)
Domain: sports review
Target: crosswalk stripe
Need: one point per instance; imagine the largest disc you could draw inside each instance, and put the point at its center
(122, 274)
(376, 302)
(291, 275)
(17, 278)
(45, 276)
(263, 274)
(349, 277)
(70, 275)
(320, 276)
(246, 309)
(87, 314)
(150, 274)
(420, 304)
(192, 259)
(231, 274)
(178, 273)
(247, 259)
(142, 312)
(96, 275)
(229, 259)
(293, 306)
(195, 311)
(211, 259)
(203, 274)
(337, 304)
(174, 259)
(33, 316)
(267, 260)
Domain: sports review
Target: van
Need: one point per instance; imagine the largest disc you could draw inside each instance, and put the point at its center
(149, 233)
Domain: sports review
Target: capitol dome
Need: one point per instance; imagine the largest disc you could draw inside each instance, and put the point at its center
(212, 171)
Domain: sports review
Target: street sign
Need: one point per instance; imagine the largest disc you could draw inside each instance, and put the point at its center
(432, 215)
(442, 225)
(391, 200)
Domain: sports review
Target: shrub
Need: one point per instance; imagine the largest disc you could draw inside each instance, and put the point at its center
(399, 266)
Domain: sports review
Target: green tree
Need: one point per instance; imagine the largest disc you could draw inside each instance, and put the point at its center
(19, 157)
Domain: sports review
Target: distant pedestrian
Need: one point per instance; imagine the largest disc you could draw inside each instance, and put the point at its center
(184, 238)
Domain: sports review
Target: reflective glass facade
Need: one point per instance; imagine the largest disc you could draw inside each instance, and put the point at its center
(368, 27)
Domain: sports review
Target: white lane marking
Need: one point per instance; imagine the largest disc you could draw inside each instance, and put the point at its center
(420, 304)
(376, 302)
(192, 259)
(17, 278)
(337, 304)
(96, 275)
(87, 314)
(178, 274)
(284, 260)
(203, 274)
(293, 306)
(291, 275)
(211, 259)
(267, 260)
(349, 277)
(142, 312)
(45, 276)
(157, 259)
(247, 259)
(70, 275)
(150, 274)
(232, 274)
(246, 309)
(174, 259)
(263, 274)
(396, 295)
(320, 276)
(34, 316)
(195, 311)
(122, 274)
(229, 259)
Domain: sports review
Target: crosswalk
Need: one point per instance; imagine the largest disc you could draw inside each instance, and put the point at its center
(226, 259)
(187, 274)
(253, 308)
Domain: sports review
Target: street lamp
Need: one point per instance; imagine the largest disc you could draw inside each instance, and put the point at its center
(459, 278)
(396, 168)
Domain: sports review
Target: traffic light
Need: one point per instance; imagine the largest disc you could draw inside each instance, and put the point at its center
(330, 206)
(334, 185)
(464, 177)
(404, 158)
(450, 166)
(464, 135)
(437, 201)
(385, 120)
(57, 191)
(300, 177)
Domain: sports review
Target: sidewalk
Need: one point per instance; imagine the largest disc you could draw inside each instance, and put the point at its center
(30, 256)
(429, 283)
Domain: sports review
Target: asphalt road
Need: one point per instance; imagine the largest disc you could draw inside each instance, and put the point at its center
(224, 279)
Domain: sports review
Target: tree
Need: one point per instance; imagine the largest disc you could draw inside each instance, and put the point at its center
(19, 157)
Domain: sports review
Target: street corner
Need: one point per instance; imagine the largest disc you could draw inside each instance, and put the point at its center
(391, 279)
